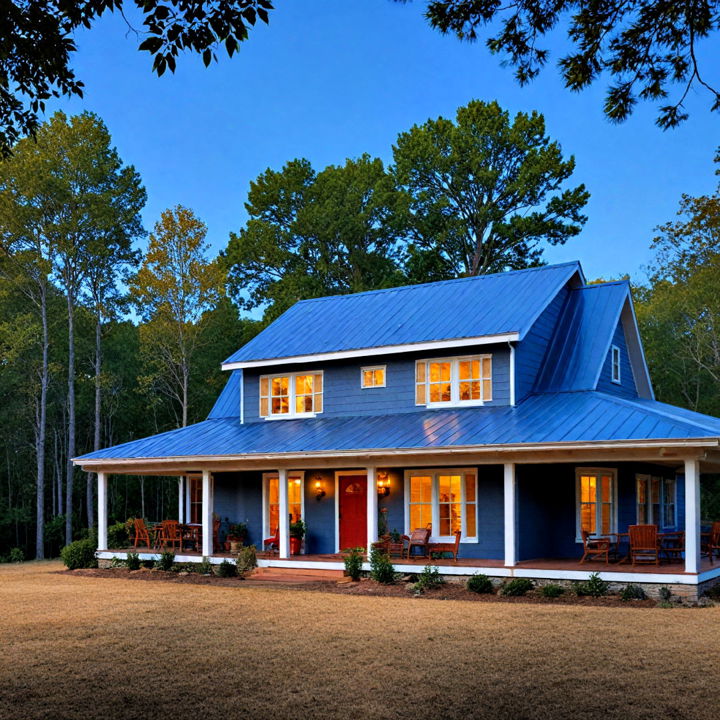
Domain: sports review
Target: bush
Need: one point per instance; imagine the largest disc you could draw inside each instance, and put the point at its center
(246, 560)
(632, 592)
(517, 587)
(133, 561)
(594, 586)
(117, 536)
(205, 567)
(353, 560)
(227, 569)
(712, 592)
(17, 555)
(79, 554)
(480, 584)
(165, 561)
(552, 591)
(381, 569)
(665, 594)
(429, 579)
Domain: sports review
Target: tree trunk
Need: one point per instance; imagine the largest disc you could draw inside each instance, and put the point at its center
(40, 435)
(92, 477)
(185, 396)
(70, 470)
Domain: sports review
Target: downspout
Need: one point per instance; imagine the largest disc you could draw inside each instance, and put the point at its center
(242, 398)
(512, 373)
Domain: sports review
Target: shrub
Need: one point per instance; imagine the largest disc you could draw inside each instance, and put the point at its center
(353, 560)
(116, 562)
(480, 584)
(79, 554)
(429, 579)
(632, 592)
(594, 586)
(246, 560)
(665, 594)
(17, 555)
(205, 567)
(517, 587)
(227, 569)
(381, 569)
(712, 592)
(133, 561)
(552, 591)
(117, 536)
(166, 560)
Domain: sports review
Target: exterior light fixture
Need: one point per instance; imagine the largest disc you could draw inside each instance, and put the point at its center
(383, 484)
(319, 489)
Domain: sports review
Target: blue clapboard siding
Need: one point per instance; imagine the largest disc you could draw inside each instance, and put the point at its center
(343, 396)
(626, 387)
(238, 497)
(531, 352)
(320, 513)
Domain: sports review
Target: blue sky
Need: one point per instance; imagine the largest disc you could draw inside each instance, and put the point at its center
(330, 79)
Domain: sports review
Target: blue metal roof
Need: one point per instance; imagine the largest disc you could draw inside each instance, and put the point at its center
(545, 418)
(228, 403)
(582, 337)
(507, 302)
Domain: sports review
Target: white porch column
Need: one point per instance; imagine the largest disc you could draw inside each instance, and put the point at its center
(510, 504)
(207, 514)
(284, 512)
(372, 507)
(692, 516)
(181, 499)
(102, 510)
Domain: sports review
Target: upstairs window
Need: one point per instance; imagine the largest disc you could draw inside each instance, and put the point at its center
(372, 377)
(454, 381)
(615, 360)
(292, 395)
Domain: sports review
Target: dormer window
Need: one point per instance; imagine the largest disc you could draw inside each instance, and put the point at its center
(291, 395)
(454, 381)
(615, 359)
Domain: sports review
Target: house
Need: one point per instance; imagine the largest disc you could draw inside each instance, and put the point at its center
(516, 408)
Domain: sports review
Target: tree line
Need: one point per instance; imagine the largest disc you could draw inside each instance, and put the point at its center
(110, 333)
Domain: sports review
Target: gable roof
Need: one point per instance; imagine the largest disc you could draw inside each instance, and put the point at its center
(583, 336)
(550, 418)
(486, 308)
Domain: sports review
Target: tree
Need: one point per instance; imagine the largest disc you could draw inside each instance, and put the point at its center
(484, 192)
(645, 46)
(172, 291)
(312, 234)
(37, 41)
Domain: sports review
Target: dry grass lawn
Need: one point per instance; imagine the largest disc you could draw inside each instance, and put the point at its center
(80, 647)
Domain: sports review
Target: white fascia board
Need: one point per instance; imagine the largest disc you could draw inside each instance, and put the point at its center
(374, 351)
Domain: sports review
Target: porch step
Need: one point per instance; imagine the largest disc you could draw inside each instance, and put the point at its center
(282, 574)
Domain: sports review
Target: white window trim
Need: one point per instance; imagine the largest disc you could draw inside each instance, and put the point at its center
(614, 514)
(615, 352)
(367, 368)
(292, 415)
(292, 475)
(435, 504)
(454, 382)
(662, 503)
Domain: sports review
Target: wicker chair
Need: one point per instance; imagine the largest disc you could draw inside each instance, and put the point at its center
(644, 545)
(595, 548)
(418, 538)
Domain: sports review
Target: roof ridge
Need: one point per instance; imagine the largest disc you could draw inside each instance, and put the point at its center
(503, 273)
(592, 286)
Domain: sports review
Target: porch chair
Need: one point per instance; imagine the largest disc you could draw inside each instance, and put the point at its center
(418, 538)
(595, 548)
(644, 544)
(171, 535)
(712, 545)
(448, 547)
(673, 546)
(141, 533)
(273, 542)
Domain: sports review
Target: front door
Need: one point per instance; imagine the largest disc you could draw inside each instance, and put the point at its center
(352, 511)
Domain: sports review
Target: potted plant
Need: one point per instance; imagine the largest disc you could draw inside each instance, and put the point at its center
(297, 533)
(236, 537)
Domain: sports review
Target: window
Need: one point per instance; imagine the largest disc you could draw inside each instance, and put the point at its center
(615, 359)
(596, 502)
(195, 500)
(454, 381)
(371, 377)
(272, 500)
(656, 501)
(293, 395)
(446, 500)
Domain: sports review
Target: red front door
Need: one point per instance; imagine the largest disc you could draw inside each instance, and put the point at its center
(353, 511)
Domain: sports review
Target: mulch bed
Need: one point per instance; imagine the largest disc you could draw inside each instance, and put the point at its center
(366, 587)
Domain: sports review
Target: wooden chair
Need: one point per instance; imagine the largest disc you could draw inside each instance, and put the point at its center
(449, 547)
(595, 548)
(644, 545)
(673, 546)
(273, 542)
(141, 533)
(171, 535)
(418, 538)
(711, 546)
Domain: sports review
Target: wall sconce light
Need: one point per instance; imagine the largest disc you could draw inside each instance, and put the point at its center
(383, 484)
(319, 489)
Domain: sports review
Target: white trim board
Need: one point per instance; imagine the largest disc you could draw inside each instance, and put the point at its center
(374, 351)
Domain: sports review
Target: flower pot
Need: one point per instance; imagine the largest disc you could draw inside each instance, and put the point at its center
(295, 545)
(235, 546)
